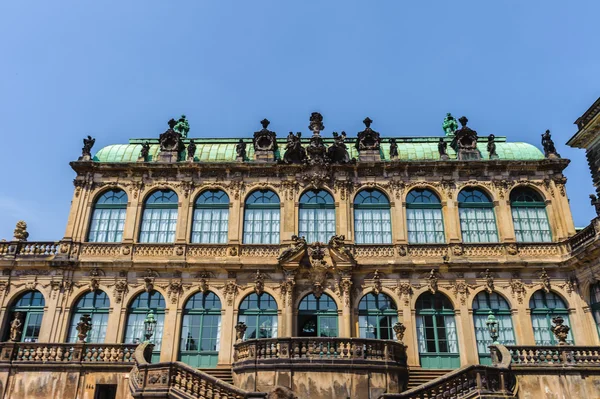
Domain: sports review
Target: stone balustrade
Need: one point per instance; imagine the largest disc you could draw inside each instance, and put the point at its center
(320, 348)
(567, 355)
(29, 249)
(582, 237)
(176, 379)
(41, 353)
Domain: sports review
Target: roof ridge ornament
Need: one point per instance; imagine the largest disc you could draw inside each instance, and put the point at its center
(465, 142)
(316, 123)
(170, 144)
(265, 143)
(368, 143)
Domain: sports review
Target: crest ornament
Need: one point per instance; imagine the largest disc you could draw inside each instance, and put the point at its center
(368, 139)
(264, 139)
(465, 142)
(318, 273)
(170, 140)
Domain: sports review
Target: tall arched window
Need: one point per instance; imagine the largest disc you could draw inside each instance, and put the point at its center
(595, 303)
(29, 307)
(261, 218)
(317, 317)
(529, 216)
(211, 218)
(137, 312)
(485, 304)
(108, 217)
(259, 313)
(544, 306)
(372, 223)
(316, 216)
(436, 332)
(97, 305)
(159, 220)
(477, 219)
(424, 218)
(201, 330)
(377, 315)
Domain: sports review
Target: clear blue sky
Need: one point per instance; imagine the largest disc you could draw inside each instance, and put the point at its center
(121, 69)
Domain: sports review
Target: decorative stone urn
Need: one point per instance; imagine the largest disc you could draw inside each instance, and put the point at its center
(399, 329)
(560, 330)
(240, 330)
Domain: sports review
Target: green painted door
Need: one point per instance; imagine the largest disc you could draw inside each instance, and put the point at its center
(200, 331)
(436, 332)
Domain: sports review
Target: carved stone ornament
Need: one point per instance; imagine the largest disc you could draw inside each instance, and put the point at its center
(461, 291)
(377, 285)
(259, 283)
(317, 152)
(83, 328)
(318, 272)
(94, 284)
(465, 142)
(517, 288)
(338, 250)
(120, 289)
(203, 286)
(20, 233)
(344, 287)
(316, 123)
(240, 330)
(545, 280)
(174, 289)
(432, 282)
(368, 139)
(489, 281)
(148, 283)
(295, 252)
(560, 331)
(287, 290)
(405, 290)
(399, 329)
(264, 139)
(338, 152)
(170, 140)
(512, 249)
(16, 327)
(294, 152)
(230, 290)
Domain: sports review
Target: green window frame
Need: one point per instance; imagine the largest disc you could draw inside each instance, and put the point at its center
(201, 330)
(316, 216)
(477, 216)
(108, 217)
(377, 314)
(262, 218)
(595, 304)
(544, 306)
(484, 304)
(530, 218)
(136, 314)
(97, 305)
(424, 218)
(30, 307)
(259, 313)
(317, 317)
(211, 218)
(372, 218)
(159, 219)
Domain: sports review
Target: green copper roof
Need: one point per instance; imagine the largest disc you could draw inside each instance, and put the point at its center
(409, 149)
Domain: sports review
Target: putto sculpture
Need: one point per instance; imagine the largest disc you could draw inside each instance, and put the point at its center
(294, 152)
(450, 125)
(144, 152)
(338, 152)
(240, 150)
(548, 144)
(86, 151)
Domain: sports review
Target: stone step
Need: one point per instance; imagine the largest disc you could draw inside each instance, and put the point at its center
(418, 376)
(221, 373)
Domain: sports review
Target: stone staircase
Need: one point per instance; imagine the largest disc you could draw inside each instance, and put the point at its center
(222, 373)
(419, 376)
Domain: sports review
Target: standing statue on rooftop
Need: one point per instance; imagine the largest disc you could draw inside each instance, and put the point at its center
(86, 151)
(450, 125)
(191, 150)
(145, 151)
(443, 149)
(182, 127)
(491, 147)
(393, 149)
(548, 144)
(240, 150)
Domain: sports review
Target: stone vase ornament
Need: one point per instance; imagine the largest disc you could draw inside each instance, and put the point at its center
(560, 330)
(83, 328)
(399, 329)
(240, 330)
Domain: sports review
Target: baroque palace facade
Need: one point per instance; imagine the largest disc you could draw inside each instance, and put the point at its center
(414, 239)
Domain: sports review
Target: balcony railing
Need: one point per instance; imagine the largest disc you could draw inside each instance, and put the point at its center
(568, 355)
(41, 353)
(583, 237)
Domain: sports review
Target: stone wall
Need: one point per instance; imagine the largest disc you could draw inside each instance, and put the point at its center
(555, 384)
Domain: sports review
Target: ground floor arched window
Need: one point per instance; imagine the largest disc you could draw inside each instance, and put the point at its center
(436, 332)
(317, 317)
(377, 315)
(29, 309)
(544, 307)
(201, 330)
(485, 304)
(137, 313)
(259, 313)
(97, 305)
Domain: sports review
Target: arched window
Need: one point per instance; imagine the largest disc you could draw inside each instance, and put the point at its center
(317, 317)
(545, 306)
(529, 216)
(595, 303)
(377, 315)
(477, 219)
(137, 312)
(424, 218)
(108, 217)
(97, 305)
(436, 332)
(259, 313)
(261, 218)
(485, 304)
(372, 223)
(211, 218)
(201, 330)
(317, 216)
(29, 308)
(159, 220)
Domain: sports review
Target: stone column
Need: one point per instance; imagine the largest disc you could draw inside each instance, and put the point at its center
(344, 216)
(182, 217)
(289, 215)
(506, 230)
(408, 316)
(451, 221)
(460, 333)
(133, 217)
(171, 330)
(398, 215)
(114, 323)
(468, 340)
(75, 219)
(228, 322)
(49, 323)
(236, 218)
